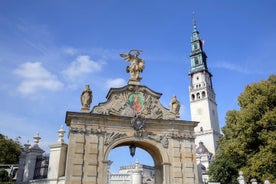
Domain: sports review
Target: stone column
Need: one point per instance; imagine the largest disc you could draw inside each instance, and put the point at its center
(57, 161)
(20, 172)
(165, 175)
(22, 162)
(137, 174)
(106, 169)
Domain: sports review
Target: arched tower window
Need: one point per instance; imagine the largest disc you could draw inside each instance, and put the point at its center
(196, 61)
(198, 95)
(203, 94)
(193, 97)
(195, 46)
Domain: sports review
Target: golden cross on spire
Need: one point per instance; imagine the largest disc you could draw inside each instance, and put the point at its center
(194, 20)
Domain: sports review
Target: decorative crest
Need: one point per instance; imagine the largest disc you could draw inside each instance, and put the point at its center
(136, 66)
(137, 122)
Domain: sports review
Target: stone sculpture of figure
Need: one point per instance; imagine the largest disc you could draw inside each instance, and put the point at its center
(136, 66)
(175, 105)
(241, 179)
(86, 98)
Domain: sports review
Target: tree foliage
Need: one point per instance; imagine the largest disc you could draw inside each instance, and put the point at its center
(9, 150)
(249, 137)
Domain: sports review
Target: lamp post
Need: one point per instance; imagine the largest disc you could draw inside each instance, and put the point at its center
(132, 149)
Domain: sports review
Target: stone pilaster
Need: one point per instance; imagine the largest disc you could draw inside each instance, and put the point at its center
(31, 162)
(57, 161)
(22, 161)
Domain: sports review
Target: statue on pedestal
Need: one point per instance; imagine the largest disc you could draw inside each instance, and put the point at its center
(174, 105)
(136, 66)
(241, 179)
(86, 99)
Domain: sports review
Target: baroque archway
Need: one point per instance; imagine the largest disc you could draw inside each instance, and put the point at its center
(157, 130)
(132, 114)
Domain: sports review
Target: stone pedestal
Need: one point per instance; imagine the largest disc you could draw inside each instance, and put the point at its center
(57, 161)
(134, 82)
(30, 162)
(22, 161)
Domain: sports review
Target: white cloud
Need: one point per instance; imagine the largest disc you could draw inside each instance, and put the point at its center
(114, 83)
(35, 77)
(236, 68)
(230, 66)
(70, 51)
(82, 65)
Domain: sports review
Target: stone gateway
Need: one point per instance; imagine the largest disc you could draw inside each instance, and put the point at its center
(132, 115)
(93, 135)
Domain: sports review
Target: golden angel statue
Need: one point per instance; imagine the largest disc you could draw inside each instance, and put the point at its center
(136, 66)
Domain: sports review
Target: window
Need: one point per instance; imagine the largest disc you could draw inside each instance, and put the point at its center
(203, 94)
(196, 61)
(198, 96)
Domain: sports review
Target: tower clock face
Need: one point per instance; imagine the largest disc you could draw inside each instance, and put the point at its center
(199, 111)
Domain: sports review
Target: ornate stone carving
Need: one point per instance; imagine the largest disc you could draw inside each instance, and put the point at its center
(163, 139)
(110, 137)
(136, 66)
(182, 136)
(140, 133)
(134, 100)
(137, 123)
(86, 131)
(77, 131)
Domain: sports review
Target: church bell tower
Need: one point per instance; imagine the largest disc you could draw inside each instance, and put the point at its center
(203, 104)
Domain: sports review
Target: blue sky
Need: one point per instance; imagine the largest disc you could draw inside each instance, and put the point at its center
(49, 50)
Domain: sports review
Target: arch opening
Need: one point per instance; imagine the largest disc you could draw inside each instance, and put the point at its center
(147, 156)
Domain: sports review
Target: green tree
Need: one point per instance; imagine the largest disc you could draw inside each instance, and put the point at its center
(249, 137)
(9, 150)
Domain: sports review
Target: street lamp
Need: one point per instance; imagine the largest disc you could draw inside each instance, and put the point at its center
(132, 149)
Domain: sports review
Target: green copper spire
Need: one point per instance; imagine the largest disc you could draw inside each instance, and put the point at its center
(194, 23)
(198, 57)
